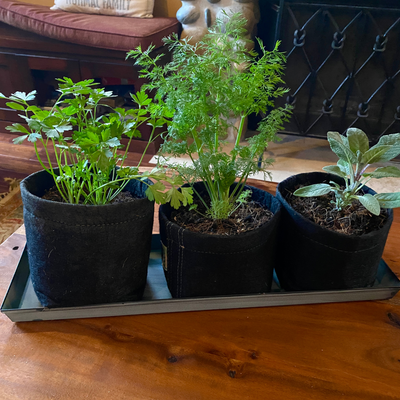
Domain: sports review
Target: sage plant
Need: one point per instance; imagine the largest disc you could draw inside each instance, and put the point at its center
(355, 156)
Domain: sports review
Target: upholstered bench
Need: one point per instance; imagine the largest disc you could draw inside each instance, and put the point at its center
(34, 38)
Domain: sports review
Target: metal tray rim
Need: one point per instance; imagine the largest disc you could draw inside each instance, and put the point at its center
(166, 305)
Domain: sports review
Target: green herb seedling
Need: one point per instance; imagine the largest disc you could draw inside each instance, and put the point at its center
(206, 87)
(355, 156)
(91, 170)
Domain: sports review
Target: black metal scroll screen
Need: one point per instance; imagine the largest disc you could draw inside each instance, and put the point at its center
(343, 68)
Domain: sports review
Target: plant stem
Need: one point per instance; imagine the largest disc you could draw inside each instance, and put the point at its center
(50, 170)
(147, 146)
(240, 130)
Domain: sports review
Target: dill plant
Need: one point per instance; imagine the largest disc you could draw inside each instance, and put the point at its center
(205, 87)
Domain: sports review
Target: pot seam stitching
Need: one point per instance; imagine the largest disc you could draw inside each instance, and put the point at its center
(179, 270)
(64, 223)
(336, 249)
(179, 289)
(181, 259)
(170, 276)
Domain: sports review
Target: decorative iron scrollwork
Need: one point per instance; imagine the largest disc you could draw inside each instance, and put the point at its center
(327, 107)
(363, 110)
(380, 43)
(334, 86)
(291, 100)
(338, 40)
(397, 114)
(299, 37)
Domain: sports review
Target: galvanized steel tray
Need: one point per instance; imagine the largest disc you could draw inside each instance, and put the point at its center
(21, 304)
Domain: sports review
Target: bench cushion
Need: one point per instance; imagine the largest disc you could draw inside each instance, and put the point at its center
(106, 32)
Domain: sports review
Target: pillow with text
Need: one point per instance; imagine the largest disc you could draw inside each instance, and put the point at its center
(123, 8)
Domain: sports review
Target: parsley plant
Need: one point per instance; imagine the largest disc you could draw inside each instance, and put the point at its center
(91, 170)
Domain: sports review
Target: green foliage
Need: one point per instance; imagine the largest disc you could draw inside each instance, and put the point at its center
(355, 156)
(90, 168)
(206, 86)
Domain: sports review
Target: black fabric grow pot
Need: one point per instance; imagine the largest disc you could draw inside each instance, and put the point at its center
(314, 258)
(198, 264)
(85, 254)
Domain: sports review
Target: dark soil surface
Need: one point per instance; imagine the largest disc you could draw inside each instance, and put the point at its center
(246, 218)
(354, 220)
(54, 195)
(124, 197)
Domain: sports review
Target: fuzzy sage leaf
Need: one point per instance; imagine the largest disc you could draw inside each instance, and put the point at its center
(370, 203)
(319, 189)
(335, 169)
(340, 149)
(389, 200)
(358, 141)
(384, 172)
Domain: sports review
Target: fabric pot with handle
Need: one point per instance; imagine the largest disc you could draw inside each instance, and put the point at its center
(86, 254)
(314, 258)
(197, 264)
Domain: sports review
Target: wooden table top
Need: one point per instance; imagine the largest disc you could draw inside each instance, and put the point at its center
(326, 351)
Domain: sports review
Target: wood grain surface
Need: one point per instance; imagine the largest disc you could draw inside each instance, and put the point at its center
(327, 351)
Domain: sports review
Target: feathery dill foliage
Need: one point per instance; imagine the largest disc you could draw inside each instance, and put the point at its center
(207, 86)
